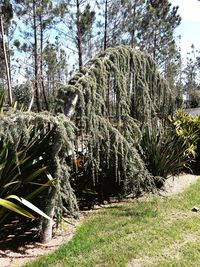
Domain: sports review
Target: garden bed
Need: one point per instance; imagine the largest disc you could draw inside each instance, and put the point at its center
(19, 251)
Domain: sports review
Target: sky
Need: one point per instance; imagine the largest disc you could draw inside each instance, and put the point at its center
(189, 28)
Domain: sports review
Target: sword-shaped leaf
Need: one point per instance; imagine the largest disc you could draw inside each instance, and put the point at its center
(29, 205)
(11, 206)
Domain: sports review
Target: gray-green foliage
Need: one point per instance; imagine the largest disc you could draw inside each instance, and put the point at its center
(23, 94)
(118, 91)
(38, 141)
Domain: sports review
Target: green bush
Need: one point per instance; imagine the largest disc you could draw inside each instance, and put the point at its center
(164, 151)
(21, 168)
(188, 128)
(112, 167)
(33, 170)
(23, 176)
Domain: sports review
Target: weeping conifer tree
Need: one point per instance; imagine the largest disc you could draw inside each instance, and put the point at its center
(110, 100)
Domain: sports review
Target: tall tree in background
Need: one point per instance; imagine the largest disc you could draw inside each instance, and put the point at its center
(79, 24)
(105, 25)
(35, 54)
(109, 24)
(37, 18)
(79, 36)
(51, 64)
(78, 18)
(148, 25)
(56, 68)
(6, 14)
(157, 31)
(27, 11)
(133, 15)
(45, 17)
(192, 72)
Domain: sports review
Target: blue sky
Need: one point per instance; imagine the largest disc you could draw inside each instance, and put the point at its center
(189, 29)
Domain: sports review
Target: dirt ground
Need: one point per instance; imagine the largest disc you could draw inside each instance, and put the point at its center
(15, 255)
(26, 252)
(177, 184)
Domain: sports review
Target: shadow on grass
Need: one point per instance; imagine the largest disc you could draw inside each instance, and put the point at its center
(138, 211)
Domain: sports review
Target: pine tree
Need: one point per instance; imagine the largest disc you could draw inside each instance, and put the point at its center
(147, 25)
(78, 18)
(38, 19)
(109, 24)
(133, 15)
(6, 14)
(158, 24)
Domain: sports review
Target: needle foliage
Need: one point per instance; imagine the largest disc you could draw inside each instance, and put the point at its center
(118, 92)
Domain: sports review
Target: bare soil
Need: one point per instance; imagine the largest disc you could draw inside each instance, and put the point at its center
(17, 250)
(17, 253)
(177, 184)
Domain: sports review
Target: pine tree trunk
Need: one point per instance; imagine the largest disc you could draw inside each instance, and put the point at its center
(133, 30)
(105, 25)
(79, 36)
(41, 64)
(6, 63)
(37, 94)
(154, 45)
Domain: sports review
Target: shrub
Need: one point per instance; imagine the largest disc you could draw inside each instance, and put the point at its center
(21, 179)
(112, 166)
(164, 151)
(189, 128)
(33, 148)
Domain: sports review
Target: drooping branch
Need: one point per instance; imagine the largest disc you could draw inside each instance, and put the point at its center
(109, 99)
(133, 75)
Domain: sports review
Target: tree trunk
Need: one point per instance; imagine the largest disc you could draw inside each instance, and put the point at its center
(79, 36)
(47, 225)
(6, 63)
(105, 25)
(154, 45)
(41, 64)
(133, 30)
(70, 105)
(37, 94)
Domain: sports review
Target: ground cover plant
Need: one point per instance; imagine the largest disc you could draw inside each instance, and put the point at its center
(154, 231)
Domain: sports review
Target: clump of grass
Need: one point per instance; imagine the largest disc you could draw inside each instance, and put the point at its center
(153, 231)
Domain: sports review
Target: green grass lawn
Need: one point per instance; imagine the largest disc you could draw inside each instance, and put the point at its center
(151, 232)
